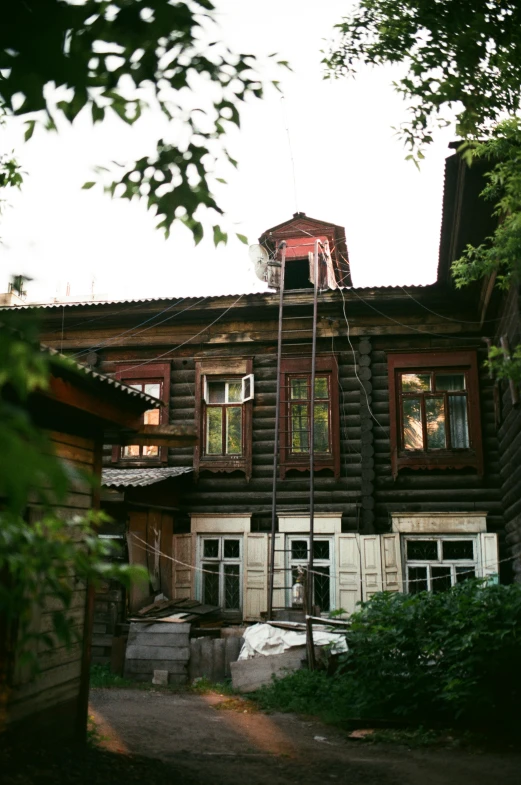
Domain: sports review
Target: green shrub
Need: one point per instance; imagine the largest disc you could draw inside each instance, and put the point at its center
(453, 656)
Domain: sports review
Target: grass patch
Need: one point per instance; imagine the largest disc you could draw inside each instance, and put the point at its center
(102, 676)
(202, 686)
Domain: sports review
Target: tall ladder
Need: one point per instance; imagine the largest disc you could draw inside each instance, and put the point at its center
(271, 577)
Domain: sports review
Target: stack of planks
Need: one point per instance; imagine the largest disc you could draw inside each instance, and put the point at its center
(158, 646)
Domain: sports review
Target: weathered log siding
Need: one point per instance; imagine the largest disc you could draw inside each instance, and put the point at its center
(509, 433)
(432, 490)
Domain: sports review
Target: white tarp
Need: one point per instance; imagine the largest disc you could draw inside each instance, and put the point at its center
(263, 639)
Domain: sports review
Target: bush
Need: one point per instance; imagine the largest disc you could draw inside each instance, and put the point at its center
(450, 657)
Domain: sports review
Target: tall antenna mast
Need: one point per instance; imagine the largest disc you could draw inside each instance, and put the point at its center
(286, 125)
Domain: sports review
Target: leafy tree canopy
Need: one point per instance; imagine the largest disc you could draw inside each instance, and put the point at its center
(101, 54)
(460, 54)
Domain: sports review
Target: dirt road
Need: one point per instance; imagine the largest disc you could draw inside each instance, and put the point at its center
(205, 741)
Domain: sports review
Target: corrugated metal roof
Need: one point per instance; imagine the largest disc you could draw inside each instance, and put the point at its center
(89, 304)
(117, 478)
(67, 364)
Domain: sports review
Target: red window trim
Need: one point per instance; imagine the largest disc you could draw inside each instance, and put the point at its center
(293, 366)
(443, 459)
(132, 372)
(227, 369)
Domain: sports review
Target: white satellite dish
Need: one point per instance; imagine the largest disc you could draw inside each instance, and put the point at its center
(259, 258)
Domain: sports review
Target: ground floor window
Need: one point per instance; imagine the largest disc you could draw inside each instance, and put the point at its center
(297, 552)
(220, 560)
(437, 563)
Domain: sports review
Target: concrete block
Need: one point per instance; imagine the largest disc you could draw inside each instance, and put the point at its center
(231, 653)
(153, 639)
(218, 671)
(162, 628)
(249, 675)
(160, 677)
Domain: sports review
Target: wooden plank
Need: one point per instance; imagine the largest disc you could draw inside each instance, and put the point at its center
(140, 652)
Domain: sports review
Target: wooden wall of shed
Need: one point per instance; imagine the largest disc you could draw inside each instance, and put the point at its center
(51, 698)
(509, 433)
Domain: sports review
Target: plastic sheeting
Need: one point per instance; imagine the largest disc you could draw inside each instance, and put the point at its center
(263, 639)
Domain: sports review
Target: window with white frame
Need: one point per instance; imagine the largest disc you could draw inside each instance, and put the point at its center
(224, 414)
(297, 552)
(437, 563)
(220, 559)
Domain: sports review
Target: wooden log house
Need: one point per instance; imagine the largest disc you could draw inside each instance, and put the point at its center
(412, 474)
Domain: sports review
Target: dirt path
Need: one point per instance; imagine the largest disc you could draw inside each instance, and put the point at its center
(199, 737)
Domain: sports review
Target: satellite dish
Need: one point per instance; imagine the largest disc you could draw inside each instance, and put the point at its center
(259, 258)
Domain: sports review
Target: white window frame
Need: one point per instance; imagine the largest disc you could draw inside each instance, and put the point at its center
(244, 380)
(290, 563)
(219, 559)
(440, 562)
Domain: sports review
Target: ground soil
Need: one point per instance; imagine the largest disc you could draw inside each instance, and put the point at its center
(210, 738)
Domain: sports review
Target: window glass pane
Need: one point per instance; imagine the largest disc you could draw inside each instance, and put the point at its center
(321, 387)
(441, 580)
(131, 451)
(211, 549)
(299, 549)
(435, 418)
(417, 579)
(321, 585)
(152, 417)
(232, 549)
(247, 387)
(211, 584)
(232, 587)
(153, 389)
(320, 549)
(450, 381)
(151, 450)
(416, 382)
(299, 389)
(299, 428)
(233, 430)
(137, 386)
(465, 574)
(412, 424)
(457, 549)
(216, 392)
(234, 392)
(214, 430)
(422, 550)
(321, 427)
(459, 425)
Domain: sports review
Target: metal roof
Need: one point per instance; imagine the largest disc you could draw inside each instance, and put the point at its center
(117, 478)
(69, 365)
(206, 298)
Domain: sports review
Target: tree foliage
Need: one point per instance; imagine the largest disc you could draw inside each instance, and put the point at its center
(459, 54)
(101, 55)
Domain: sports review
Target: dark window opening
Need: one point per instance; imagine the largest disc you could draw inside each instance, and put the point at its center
(296, 275)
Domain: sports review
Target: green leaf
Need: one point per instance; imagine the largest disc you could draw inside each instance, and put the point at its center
(30, 125)
(242, 238)
(87, 186)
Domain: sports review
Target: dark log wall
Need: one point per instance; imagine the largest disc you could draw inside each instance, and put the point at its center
(432, 490)
(509, 434)
(221, 493)
(365, 493)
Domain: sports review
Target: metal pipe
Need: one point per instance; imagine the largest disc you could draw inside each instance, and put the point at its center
(282, 248)
(310, 593)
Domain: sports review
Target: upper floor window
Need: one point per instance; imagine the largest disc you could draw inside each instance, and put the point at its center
(296, 403)
(224, 395)
(153, 380)
(434, 404)
(224, 414)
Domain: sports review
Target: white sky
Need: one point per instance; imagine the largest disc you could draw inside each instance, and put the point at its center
(350, 169)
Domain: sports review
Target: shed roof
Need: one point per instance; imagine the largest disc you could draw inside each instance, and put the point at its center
(132, 478)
